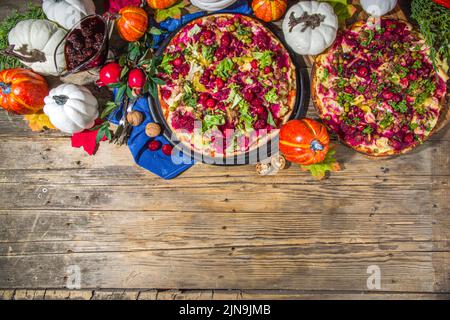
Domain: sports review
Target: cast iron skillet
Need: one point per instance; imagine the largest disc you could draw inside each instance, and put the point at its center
(253, 156)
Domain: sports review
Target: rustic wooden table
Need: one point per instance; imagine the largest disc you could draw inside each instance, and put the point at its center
(120, 232)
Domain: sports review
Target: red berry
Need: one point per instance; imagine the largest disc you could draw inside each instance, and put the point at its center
(363, 71)
(177, 62)
(248, 96)
(203, 96)
(208, 34)
(185, 70)
(211, 103)
(219, 83)
(387, 95)
(267, 70)
(166, 94)
(412, 76)
(154, 145)
(254, 64)
(259, 109)
(167, 149)
(136, 78)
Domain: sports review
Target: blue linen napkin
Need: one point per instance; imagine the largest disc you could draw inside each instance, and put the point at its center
(156, 161)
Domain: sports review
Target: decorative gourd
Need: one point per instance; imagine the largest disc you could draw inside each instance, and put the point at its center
(310, 27)
(213, 5)
(67, 13)
(304, 141)
(269, 10)
(22, 91)
(161, 4)
(378, 8)
(132, 23)
(34, 43)
(71, 108)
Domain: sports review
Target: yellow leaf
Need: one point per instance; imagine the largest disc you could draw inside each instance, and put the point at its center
(38, 122)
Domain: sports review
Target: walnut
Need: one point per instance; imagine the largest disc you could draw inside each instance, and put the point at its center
(135, 118)
(152, 130)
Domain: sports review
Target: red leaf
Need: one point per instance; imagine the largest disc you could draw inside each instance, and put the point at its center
(87, 140)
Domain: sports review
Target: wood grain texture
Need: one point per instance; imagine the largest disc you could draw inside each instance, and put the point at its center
(218, 232)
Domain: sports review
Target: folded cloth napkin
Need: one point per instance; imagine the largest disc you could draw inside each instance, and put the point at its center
(156, 161)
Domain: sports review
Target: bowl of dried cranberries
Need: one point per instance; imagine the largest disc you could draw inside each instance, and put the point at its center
(86, 45)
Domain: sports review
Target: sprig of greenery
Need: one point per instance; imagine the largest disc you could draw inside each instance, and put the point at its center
(31, 12)
(434, 23)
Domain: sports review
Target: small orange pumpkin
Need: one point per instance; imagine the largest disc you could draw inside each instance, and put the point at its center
(132, 23)
(22, 91)
(304, 141)
(269, 10)
(161, 4)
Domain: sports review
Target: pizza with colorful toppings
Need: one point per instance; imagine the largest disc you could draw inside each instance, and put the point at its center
(377, 89)
(229, 85)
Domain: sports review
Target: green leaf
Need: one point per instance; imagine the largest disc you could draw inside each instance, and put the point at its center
(124, 71)
(158, 81)
(224, 68)
(109, 107)
(319, 170)
(134, 51)
(271, 96)
(100, 135)
(211, 121)
(115, 85)
(120, 93)
(129, 93)
(264, 58)
(172, 12)
(270, 119)
(155, 31)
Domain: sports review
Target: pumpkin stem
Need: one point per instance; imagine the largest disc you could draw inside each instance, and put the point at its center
(6, 88)
(24, 55)
(316, 146)
(60, 100)
(310, 21)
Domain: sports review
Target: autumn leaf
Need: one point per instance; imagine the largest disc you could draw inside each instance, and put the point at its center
(319, 170)
(38, 122)
(172, 12)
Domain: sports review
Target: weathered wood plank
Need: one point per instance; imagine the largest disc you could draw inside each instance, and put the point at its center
(42, 232)
(316, 267)
(154, 294)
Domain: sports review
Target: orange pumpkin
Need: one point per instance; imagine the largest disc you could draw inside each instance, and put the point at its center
(269, 10)
(304, 141)
(22, 91)
(132, 23)
(161, 4)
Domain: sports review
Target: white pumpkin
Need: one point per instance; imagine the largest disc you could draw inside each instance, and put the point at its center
(67, 12)
(71, 108)
(378, 8)
(34, 43)
(212, 5)
(310, 27)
